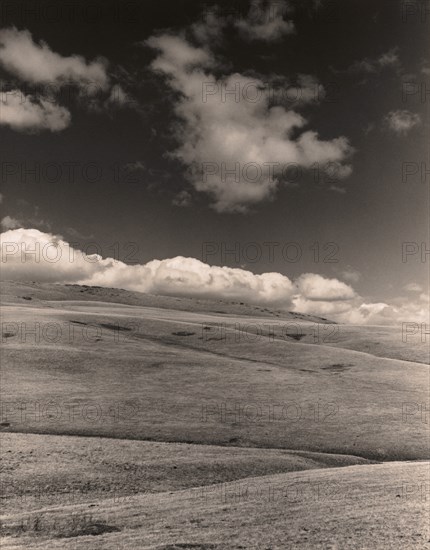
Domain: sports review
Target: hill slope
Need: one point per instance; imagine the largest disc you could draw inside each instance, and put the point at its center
(357, 507)
(98, 368)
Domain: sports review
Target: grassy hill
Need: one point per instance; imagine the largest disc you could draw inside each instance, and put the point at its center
(355, 507)
(137, 421)
(140, 372)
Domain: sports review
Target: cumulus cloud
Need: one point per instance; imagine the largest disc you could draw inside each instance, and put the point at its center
(233, 140)
(25, 113)
(29, 254)
(402, 121)
(49, 79)
(35, 63)
(317, 288)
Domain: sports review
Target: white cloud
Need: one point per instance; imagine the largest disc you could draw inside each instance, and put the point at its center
(47, 74)
(28, 114)
(29, 254)
(9, 223)
(37, 63)
(402, 121)
(56, 261)
(413, 287)
(265, 23)
(376, 64)
(351, 275)
(223, 133)
(317, 288)
(182, 199)
(388, 59)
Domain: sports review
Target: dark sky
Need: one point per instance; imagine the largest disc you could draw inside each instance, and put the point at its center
(368, 215)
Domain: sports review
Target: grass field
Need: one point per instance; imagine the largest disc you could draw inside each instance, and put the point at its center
(372, 506)
(140, 396)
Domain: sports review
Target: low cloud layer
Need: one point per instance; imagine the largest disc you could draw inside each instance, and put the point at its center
(29, 254)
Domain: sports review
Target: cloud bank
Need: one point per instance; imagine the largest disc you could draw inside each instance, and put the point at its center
(29, 254)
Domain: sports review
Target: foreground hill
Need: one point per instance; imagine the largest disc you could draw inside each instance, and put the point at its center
(213, 425)
(75, 470)
(357, 507)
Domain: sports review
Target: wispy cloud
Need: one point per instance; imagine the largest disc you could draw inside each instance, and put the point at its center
(389, 59)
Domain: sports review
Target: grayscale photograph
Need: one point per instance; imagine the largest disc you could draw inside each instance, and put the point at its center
(215, 274)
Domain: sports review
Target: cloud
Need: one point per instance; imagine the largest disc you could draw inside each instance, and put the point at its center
(30, 254)
(402, 121)
(337, 189)
(232, 143)
(51, 78)
(265, 23)
(317, 288)
(10, 223)
(351, 275)
(183, 199)
(56, 261)
(25, 113)
(37, 63)
(389, 59)
(413, 287)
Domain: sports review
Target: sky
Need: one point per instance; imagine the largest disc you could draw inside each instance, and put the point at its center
(270, 151)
